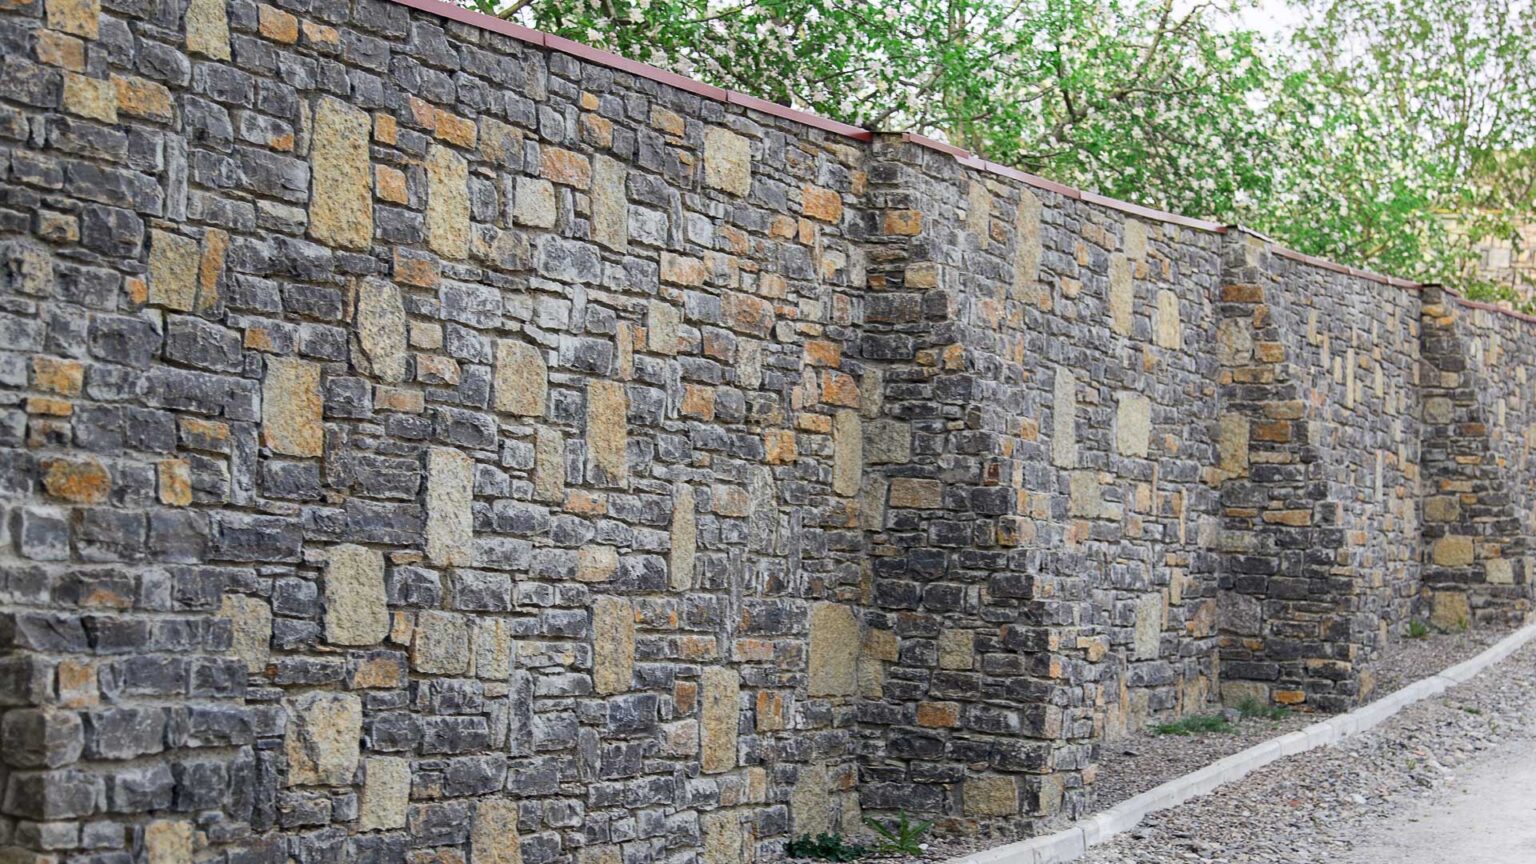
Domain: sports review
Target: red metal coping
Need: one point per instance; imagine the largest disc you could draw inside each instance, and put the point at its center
(964, 157)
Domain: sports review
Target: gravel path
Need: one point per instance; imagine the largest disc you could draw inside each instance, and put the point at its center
(1316, 807)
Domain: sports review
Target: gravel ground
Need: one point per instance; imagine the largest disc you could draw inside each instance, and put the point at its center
(1314, 807)
(1282, 812)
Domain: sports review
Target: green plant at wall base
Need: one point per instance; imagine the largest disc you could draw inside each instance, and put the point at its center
(903, 837)
(1389, 134)
(824, 847)
(1250, 708)
(1417, 629)
(1195, 724)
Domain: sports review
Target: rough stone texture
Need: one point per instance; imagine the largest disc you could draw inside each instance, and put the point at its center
(905, 507)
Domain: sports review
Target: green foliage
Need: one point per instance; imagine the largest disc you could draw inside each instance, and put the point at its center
(1417, 629)
(904, 837)
(824, 847)
(1396, 135)
(1250, 708)
(1195, 724)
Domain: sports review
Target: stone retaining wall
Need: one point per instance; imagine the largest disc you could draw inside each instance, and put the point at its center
(421, 443)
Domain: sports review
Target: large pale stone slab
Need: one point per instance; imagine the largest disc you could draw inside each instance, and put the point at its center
(251, 622)
(978, 212)
(548, 465)
(685, 539)
(607, 433)
(208, 28)
(173, 266)
(1027, 255)
(386, 793)
(450, 521)
(493, 649)
(1449, 610)
(440, 644)
(1064, 419)
(727, 161)
(834, 651)
(80, 17)
(847, 452)
(493, 836)
(381, 329)
(1232, 444)
(957, 649)
(1122, 295)
(447, 202)
(722, 837)
(720, 717)
(168, 841)
(1452, 550)
(613, 645)
(292, 407)
(610, 204)
(1133, 424)
(356, 609)
(990, 796)
(661, 325)
(810, 802)
(1149, 627)
(521, 378)
(321, 741)
(1170, 330)
(341, 178)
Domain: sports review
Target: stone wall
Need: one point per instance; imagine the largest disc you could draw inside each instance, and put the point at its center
(423, 439)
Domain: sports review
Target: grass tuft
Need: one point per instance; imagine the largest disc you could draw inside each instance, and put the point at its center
(1195, 724)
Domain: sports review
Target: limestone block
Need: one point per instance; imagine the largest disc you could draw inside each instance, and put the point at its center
(168, 841)
(493, 835)
(356, 610)
(990, 796)
(492, 649)
(916, 493)
(1169, 332)
(1122, 295)
(1232, 444)
(548, 465)
(386, 793)
(1135, 239)
(685, 539)
(887, 442)
(173, 265)
(610, 204)
(834, 651)
(1064, 419)
(251, 622)
(1449, 610)
(719, 719)
(1149, 627)
(321, 741)
(521, 378)
(1499, 571)
(607, 433)
(662, 321)
(978, 212)
(613, 645)
(381, 330)
(957, 649)
(291, 407)
(447, 202)
(1442, 508)
(95, 98)
(825, 205)
(727, 161)
(1027, 255)
(1234, 341)
(722, 837)
(847, 452)
(810, 802)
(1084, 496)
(208, 28)
(534, 202)
(341, 178)
(596, 563)
(440, 644)
(80, 17)
(450, 524)
(1452, 550)
(1133, 424)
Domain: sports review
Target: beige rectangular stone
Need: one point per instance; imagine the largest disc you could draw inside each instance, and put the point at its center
(727, 161)
(447, 202)
(94, 98)
(956, 649)
(341, 178)
(685, 538)
(321, 741)
(719, 719)
(386, 793)
(356, 609)
(80, 17)
(1064, 419)
(834, 651)
(610, 203)
(607, 433)
(251, 622)
(173, 266)
(381, 330)
(1133, 424)
(661, 325)
(722, 837)
(493, 835)
(548, 465)
(168, 841)
(613, 645)
(521, 378)
(847, 452)
(207, 25)
(450, 517)
(440, 644)
(1029, 251)
(1122, 295)
(1170, 330)
(1149, 627)
(291, 407)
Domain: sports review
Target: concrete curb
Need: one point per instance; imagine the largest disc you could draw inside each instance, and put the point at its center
(1071, 843)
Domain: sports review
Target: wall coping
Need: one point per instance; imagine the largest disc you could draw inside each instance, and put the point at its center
(491, 23)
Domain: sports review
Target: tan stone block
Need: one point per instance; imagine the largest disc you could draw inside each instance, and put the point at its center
(321, 741)
(1064, 419)
(1085, 496)
(168, 841)
(978, 212)
(80, 17)
(834, 650)
(1133, 424)
(667, 122)
(1449, 610)
(810, 801)
(341, 177)
(727, 161)
(251, 623)
(207, 24)
(607, 854)
(938, 715)
(904, 223)
(534, 203)
(565, 167)
(662, 321)
(957, 649)
(607, 432)
(1135, 239)
(719, 719)
(454, 129)
(1232, 444)
(521, 378)
(596, 563)
(57, 376)
(823, 204)
(356, 610)
(722, 838)
(548, 465)
(1438, 410)
(683, 270)
(291, 407)
(1150, 610)
(1452, 551)
(685, 535)
(386, 793)
(440, 644)
(175, 482)
(493, 835)
(62, 50)
(210, 268)
(914, 493)
(493, 649)
(848, 452)
(1168, 328)
(173, 270)
(381, 329)
(888, 442)
(990, 796)
(447, 202)
(1029, 251)
(610, 204)
(1442, 508)
(82, 480)
(1499, 571)
(450, 490)
(613, 645)
(1122, 295)
(277, 25)
(390, 184)
(1234, 341)
(499, 143)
